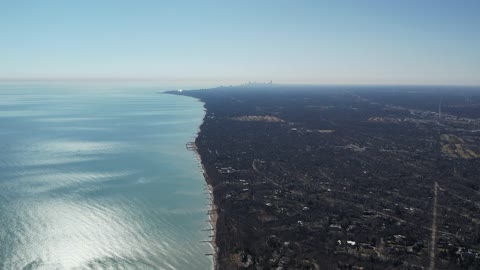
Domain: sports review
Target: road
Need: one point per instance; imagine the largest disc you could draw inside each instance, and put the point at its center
(433, 241)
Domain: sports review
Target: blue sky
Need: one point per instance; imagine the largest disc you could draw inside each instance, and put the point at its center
(345, 42)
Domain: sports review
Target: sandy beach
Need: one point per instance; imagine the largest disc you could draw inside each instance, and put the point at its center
(212, 212)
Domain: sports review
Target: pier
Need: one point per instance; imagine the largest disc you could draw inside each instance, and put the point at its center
(191, 146)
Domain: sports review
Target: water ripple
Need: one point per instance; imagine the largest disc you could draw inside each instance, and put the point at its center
(99, 181)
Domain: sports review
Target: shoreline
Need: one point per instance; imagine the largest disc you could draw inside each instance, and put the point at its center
(285, 202)
(212, 211)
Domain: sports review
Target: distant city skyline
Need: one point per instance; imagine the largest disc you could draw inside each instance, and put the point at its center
(231, 42)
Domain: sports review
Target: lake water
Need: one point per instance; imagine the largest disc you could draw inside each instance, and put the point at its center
(99, 178)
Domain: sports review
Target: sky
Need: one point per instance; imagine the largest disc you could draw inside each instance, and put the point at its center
(312, 42)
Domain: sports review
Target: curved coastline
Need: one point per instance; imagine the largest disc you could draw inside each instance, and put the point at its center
(212, 211)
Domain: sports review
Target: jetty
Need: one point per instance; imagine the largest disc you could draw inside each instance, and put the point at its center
(191, 146)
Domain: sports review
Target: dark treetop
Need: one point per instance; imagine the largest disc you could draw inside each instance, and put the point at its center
(344, 177)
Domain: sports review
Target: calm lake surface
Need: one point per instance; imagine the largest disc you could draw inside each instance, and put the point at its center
(99, 178)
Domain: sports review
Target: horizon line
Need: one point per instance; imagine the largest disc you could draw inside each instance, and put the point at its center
(229, 82)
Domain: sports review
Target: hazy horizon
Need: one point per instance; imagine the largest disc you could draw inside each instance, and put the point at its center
(308, 42)
(218, 83)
